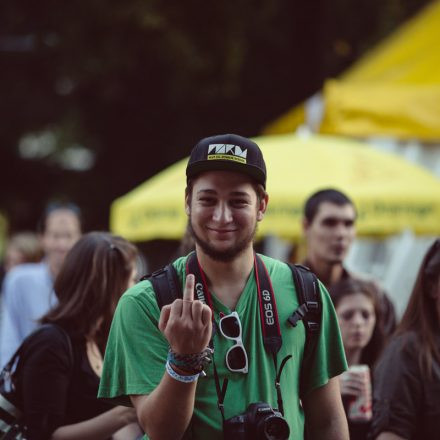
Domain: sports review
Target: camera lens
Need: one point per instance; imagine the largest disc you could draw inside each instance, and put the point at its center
(275, 428)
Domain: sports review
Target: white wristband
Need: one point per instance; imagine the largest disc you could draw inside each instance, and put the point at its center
(179, 377)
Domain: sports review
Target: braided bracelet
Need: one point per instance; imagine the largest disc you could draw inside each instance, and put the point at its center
(179, 377)
(191, 363)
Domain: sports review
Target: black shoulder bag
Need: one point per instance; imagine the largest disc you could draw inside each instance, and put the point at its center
(11, 419)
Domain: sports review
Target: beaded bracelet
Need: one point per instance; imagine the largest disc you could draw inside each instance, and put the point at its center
(191, 363)
(179, 377)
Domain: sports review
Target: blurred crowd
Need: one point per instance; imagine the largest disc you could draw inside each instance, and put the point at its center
(60, 288)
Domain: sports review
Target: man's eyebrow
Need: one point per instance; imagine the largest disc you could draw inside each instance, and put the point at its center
(338, 218)
(240, 193)
(233, 193)
(207, 191)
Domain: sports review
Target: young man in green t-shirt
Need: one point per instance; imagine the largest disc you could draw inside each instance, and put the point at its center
(232, 300)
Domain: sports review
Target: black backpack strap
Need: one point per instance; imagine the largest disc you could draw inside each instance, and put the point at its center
(9, 371)
(309, 310)
(166, 285)
(68, 342)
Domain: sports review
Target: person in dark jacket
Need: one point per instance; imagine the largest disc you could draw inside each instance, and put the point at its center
(407, 377)
(57, 376)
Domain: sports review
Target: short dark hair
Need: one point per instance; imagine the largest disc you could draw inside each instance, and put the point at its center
(58, 206)
(328, 195)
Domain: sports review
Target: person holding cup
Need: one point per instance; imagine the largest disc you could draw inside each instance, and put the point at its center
(358, 308)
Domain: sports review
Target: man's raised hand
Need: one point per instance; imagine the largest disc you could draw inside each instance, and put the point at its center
(186, 323)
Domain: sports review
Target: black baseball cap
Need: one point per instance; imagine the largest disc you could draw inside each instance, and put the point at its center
(228, 152)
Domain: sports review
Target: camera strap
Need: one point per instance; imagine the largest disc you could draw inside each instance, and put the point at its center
(268, 317)
(278, 384)
(268, 309)
(200, 285)
(221, 392)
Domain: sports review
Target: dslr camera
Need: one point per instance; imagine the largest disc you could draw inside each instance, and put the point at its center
(259, 422)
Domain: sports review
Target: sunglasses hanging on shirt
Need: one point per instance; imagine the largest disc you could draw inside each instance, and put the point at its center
(236, 356)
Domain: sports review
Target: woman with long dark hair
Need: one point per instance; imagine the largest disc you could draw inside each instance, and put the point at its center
(357, 305)
(407, 377)
(57, 374)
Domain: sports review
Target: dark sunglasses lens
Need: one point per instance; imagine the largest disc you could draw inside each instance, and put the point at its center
(236, 358)
(230, 326)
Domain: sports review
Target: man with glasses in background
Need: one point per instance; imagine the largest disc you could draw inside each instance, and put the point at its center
(261, 382)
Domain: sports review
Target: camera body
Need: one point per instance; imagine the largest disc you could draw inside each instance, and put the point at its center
(259, 422)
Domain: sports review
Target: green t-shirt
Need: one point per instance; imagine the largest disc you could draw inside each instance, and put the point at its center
(136, 354)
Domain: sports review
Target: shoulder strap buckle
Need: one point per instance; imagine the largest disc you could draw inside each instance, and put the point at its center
(166, 285)
(307, 289)
(301, 312)
(312, 306)
(313, 326)
(298, 315)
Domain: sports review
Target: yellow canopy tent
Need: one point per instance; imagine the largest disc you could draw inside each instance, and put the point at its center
(394, 90)
(391, 194)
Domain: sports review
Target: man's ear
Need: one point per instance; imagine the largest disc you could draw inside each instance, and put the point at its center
(187, 207)
(262, 207)
(305, 224)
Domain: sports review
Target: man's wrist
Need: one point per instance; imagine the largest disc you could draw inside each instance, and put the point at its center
(185, 378)
(181, 371)
(190, 364)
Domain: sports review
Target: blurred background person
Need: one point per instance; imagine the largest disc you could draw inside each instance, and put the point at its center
(357, 305)
(329, 226)
(59, 365)
(406, 402)
(22, 247)
(28, 288)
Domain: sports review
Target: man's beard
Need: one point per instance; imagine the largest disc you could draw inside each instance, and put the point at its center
(225, 255)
